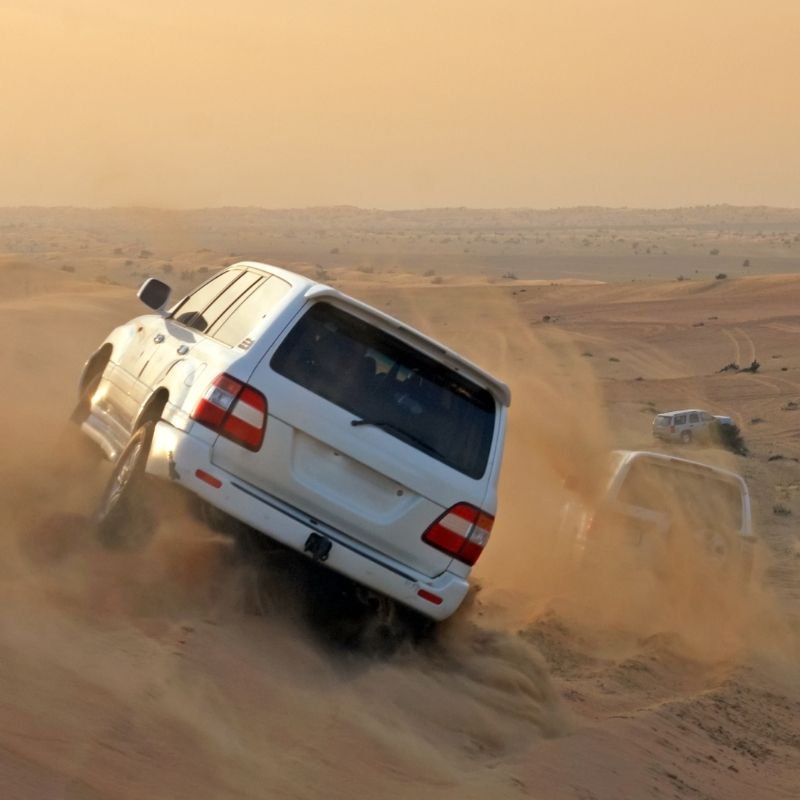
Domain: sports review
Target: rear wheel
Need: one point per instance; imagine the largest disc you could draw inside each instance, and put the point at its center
(124, 518)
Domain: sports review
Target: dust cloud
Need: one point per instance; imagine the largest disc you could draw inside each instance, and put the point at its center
(133, 673)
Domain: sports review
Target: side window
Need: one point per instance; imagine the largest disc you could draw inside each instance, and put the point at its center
(680, 419)
(224, 302)
(707, 417)
(240, 319)
(694, 418)
(191, 307)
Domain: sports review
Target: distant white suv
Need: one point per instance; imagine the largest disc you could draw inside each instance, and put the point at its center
(689, 425)
(311, 417)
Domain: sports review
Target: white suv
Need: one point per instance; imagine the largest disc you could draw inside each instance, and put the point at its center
(691, 424)
(646, 498)
(311, 417)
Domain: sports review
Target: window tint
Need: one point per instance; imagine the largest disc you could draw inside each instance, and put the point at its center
(680, 419)
(384, 381)
(694, 418)
(189, 311)
(241, 318)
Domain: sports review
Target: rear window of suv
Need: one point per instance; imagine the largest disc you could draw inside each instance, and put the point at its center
(699, 495)
(385, 382)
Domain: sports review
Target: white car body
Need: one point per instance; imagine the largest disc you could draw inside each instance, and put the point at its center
(687, 425)
(395, 507)
(645, 494)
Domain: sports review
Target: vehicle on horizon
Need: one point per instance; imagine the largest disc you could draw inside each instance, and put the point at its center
(689, 425)
(312, 419)
(646, 498)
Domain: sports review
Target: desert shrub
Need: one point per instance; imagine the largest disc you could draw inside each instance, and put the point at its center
(145, 254)
(714, 252)
(746, 262)
(509, 276)
(720, 276)
(429, 273)
(67, 268)
(437, 279)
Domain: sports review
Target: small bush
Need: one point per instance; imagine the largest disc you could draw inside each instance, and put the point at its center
(714, 252)
(67, 268)
(720, 276)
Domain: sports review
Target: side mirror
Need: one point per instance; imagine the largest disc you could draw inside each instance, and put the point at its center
(154, 293)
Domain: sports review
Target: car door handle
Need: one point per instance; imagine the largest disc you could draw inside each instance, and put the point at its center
(158, 338)
(183, 349)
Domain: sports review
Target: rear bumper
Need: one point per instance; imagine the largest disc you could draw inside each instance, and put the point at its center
(177, 456)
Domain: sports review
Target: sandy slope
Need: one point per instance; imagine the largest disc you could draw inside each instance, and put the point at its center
(141, 675)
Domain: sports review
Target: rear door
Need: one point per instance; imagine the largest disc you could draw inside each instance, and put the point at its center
(422, 439)
(183, 343)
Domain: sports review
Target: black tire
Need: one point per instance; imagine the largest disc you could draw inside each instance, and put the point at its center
(686, 437)
(124, 518)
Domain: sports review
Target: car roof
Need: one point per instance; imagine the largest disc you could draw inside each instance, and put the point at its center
(312, 289)
(684, 411)
(631, 455)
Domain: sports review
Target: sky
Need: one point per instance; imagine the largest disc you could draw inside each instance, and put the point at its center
(399, 103)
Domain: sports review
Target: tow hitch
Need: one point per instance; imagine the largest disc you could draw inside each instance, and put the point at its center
(318, 547)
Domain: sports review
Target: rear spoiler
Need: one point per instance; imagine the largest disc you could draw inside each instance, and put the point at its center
(444, 354)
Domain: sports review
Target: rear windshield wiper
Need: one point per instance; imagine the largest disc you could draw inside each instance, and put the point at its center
(403, 434)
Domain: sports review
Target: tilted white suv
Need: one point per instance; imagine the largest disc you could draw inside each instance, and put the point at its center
(312, 418)
(644, 499)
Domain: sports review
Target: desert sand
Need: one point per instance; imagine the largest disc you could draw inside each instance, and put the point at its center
(132, 675)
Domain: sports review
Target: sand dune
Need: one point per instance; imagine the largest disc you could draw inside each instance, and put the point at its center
(145, 675)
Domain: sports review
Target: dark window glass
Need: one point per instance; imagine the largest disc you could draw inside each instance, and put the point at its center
(680, 419)
(694, 418)
(189, 311)
(382, 380)
(241, 318)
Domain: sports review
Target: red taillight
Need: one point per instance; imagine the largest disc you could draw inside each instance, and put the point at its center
(234, 410)
(461, 532)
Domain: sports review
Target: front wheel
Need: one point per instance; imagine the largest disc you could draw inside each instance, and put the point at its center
(686, 437)
(124, 518)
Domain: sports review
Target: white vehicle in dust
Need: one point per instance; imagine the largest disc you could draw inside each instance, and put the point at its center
(646, 498)
(689, 425)
(310, 417)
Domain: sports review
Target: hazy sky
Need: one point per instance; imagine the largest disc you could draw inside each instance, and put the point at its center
(400, 103)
